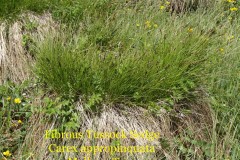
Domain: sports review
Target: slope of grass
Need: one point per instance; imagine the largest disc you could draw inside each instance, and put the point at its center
(139, 53)
(68, 11)
(146, 67)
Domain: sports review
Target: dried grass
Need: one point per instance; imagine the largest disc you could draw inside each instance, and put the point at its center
(120, 117)
(179, 6)
(15, 60)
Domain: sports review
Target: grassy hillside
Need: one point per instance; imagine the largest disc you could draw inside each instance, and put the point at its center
(175, 63)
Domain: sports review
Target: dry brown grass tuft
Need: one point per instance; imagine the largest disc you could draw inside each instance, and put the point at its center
(179, 6)
(15, 59)
(120, 117)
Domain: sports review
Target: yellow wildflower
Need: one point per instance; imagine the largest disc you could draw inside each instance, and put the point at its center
(231, 1)
(155, 25)
(19, 121)
(221, 49)
(230, 37)
(167, 2)
(17, 100)
(138, 25)
(7, 153)
(233, 9)
(148, 24)
(8, 98)
(162, 7)
(190, 30)
(14, 125)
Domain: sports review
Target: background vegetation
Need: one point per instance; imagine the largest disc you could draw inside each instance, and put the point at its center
(138, 53)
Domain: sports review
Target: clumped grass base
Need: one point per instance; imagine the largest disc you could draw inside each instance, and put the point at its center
(127, 65)
(17, 43)
(115, 118)
(125, 62)
(189, 131)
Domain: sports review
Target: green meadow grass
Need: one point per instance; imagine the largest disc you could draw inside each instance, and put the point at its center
(146, 67)
(140, 53)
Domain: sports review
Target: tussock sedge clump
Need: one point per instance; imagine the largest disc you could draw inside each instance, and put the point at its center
(129, 67)
(137, 63)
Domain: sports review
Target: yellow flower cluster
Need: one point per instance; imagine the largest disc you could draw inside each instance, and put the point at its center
(190, 30)
(17, 100)
(231, 1)
(7, 153)
(230, 37)
(162, 7)
(149, 25)
(19, 121)
(221, 50)
(233, 9)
